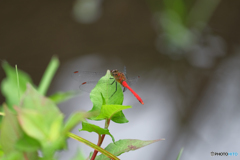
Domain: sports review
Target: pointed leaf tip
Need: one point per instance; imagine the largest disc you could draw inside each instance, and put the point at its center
(106, 92)
(125, 145)
(94, 128)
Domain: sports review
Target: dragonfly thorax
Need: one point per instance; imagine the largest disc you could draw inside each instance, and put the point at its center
(119, 76)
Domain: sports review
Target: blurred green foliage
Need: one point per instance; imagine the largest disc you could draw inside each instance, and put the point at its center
(32, 122)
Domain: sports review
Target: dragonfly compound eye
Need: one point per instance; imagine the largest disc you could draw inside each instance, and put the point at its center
(114, 71)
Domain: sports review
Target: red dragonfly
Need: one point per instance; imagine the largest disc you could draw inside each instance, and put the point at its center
(119, 77)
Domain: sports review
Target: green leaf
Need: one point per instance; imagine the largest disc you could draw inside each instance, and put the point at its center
(40, 119)
(94, 128)
(105, 93)
(1, 152)
(41, 115)
(180, 154)
(76, 118)
(14, 156)
(79, 156)
(33, 100)
(10, 131)
(9, 85)
(48, 75)
(119, 118)
(27, 144)
(90, 155)
(43, 126)
(124, 145)
(62, 96)
(108, 111)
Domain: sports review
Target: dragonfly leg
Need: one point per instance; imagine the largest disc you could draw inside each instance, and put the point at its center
(113, 81)
(115, 89)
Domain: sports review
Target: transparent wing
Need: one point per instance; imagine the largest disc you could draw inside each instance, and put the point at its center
(89, 85)
(134, 80)
(89, 79)
(125, 70)
(85, 76)
(131, 81)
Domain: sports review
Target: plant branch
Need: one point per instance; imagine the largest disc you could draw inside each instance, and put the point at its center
(100, 139)
(18, 83)
(92, 145)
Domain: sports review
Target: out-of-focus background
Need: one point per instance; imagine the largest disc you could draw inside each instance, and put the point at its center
(187, 53)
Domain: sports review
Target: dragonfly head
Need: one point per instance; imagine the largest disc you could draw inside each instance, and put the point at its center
(114, 72)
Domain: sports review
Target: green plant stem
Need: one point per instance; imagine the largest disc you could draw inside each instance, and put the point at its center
(2, 114)
(100, 139)
(92, 145)
(48, 75)
(18, 83)
(180, 153)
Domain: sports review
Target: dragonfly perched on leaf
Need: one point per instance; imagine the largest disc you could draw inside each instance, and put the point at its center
(90, 79)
